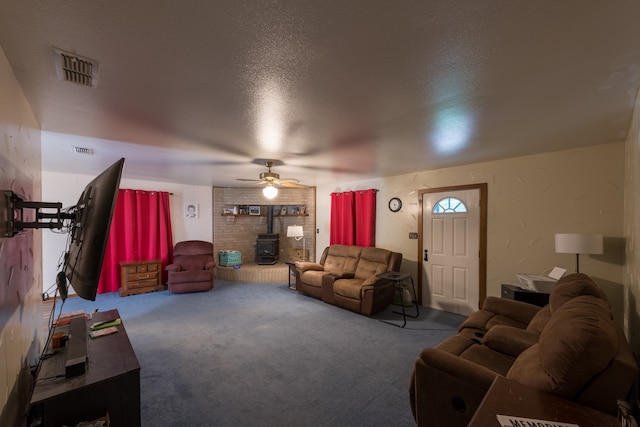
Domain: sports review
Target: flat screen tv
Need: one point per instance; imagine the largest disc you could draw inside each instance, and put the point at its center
(89, 233)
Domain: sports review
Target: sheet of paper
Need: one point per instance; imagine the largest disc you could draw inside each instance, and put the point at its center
(511, 421)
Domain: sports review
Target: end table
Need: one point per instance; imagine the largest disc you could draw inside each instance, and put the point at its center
(401, 282)
(292, 272)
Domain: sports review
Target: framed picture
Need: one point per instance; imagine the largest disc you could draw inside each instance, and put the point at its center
(302, 210)
(254, 210)
(293, 210)
(283, 210)
(191, 210)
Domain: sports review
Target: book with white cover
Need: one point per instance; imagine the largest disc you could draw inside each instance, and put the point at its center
(509, 421)
(540, 282)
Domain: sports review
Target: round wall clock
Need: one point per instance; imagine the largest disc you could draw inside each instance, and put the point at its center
(395, 204)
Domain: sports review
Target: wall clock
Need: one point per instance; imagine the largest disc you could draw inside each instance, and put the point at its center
(395, 204)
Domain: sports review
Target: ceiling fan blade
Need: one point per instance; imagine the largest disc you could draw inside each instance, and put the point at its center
(291, 184)
(250, 180)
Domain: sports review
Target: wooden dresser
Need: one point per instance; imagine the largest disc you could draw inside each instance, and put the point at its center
(139, 277)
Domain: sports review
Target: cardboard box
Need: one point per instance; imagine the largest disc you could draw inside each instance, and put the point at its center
(297, 255)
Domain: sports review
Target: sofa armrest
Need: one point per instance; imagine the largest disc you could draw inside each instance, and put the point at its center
(210, 265)
(172, 268)
(446, 389)
(521, 311)
(509, 340)
(476, 375)
(303, 266)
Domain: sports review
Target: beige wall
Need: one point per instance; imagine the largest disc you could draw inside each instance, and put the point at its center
(21, 329)
(632, 231)
(66, 188)
(530, 199)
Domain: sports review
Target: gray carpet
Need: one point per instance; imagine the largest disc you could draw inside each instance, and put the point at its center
(264, 355)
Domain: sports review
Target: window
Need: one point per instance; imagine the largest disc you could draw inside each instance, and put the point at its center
(449, 205)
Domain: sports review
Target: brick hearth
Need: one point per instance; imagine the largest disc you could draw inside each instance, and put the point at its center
(254, 273)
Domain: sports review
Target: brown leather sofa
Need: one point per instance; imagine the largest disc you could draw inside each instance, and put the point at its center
(570, 348)
(346, 276)
(192, 267)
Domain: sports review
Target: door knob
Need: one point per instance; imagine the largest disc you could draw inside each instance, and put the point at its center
(426, 255)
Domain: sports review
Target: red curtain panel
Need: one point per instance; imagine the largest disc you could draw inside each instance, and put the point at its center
(365, 217)
(342, 219)
(140, 231)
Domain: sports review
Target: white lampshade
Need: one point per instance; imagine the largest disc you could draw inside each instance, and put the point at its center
(270, 191)
(295, 231)
(576, 243)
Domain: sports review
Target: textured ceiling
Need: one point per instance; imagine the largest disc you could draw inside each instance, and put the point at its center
(194, 91)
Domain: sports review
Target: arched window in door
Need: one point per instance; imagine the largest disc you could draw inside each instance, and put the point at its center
(449, 205)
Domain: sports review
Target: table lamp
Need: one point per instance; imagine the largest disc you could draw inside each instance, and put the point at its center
(297, 232)
(577, 243)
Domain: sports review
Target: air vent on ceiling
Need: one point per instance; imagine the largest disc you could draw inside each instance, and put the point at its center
(82, 150)
(76, 69)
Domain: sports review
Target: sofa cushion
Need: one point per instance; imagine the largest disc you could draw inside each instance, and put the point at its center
(540, 320)
(571, 286)
(313, 278)
(349, 288)
(373, 261)
(342, 259)
(192, 262)
(577, 343)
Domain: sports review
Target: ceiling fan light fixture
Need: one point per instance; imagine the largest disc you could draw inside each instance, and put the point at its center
(270, 191)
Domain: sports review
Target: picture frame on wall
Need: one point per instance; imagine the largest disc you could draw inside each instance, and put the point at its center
(283, 210)
(191, 210)
(302, 210)
(254, 210)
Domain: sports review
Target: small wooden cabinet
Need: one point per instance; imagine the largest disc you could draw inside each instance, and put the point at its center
(139, 277)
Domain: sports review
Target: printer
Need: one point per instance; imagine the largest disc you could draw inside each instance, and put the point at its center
(540, 282)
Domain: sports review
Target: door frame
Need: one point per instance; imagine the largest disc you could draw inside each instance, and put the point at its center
(482, 241)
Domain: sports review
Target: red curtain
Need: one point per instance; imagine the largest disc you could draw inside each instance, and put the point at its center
(342, 219)
(353, 218)
(140, 231)
(365, 217)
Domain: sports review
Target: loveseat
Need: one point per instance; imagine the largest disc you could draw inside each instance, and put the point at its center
(346, 276)
(570, 348)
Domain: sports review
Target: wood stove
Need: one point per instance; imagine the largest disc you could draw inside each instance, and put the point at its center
(268, 245)
(267, 248)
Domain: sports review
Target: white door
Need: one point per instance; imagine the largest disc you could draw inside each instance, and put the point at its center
(451, 239)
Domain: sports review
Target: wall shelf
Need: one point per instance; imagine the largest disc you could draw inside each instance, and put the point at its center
(262, 210)
(264, 215)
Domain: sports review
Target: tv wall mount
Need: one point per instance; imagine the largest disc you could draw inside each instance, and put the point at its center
(17, 215)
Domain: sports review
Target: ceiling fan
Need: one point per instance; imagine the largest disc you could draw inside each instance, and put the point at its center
(271, 180)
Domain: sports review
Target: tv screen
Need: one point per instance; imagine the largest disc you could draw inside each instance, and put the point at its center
(90, 231)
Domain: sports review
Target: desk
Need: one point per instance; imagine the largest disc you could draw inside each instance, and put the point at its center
(110, 384)
(292, 273)
(506, 397)
(401, 282)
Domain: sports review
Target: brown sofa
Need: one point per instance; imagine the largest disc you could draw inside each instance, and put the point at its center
(346, 276)
(570, 348)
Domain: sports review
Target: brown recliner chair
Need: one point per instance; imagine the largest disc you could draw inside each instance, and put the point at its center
(192, 267)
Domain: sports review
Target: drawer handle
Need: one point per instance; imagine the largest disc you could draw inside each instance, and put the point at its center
(144, 277)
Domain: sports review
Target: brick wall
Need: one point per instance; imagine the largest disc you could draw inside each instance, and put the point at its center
(240, 232)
